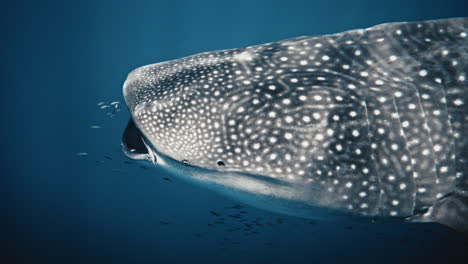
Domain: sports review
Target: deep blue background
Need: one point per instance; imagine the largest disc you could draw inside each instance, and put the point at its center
(60, 59)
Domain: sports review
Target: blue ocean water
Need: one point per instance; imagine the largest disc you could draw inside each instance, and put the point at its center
(62, 58)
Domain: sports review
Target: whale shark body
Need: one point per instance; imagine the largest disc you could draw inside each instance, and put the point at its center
(369, 123)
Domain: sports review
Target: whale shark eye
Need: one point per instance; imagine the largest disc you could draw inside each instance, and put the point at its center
(185, 162)
(221, 163)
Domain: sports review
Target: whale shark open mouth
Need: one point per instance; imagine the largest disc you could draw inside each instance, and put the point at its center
(134, 145)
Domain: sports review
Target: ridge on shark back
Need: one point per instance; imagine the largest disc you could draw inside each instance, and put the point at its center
(370, 122)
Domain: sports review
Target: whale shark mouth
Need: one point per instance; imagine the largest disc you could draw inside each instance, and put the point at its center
(134, 144)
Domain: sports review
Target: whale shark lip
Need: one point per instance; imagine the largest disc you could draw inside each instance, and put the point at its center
(134, 145)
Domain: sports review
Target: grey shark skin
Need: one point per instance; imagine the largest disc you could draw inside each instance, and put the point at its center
(370, 123)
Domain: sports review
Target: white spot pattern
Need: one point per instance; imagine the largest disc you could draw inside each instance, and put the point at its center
(359, 115)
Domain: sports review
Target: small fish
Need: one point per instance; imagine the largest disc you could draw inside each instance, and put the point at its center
(82, 154)
(215, 213)
(163, 222)
(234, 216)
(95, 127)
(167, 179)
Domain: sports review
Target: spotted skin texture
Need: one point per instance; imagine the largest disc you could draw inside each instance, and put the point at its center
(374, 119)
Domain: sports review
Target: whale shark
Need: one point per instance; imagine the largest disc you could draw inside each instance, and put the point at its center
(369, 123)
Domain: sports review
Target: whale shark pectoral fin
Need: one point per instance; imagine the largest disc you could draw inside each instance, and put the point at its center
(451, 211)
(133, 143)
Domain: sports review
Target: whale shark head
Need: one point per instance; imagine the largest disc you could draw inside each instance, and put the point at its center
(242, 120)
(229, 111)
(339, 121)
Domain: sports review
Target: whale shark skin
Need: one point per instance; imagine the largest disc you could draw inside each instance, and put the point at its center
(369, 123)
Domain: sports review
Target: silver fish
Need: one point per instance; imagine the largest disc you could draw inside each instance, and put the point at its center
(370, 122)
